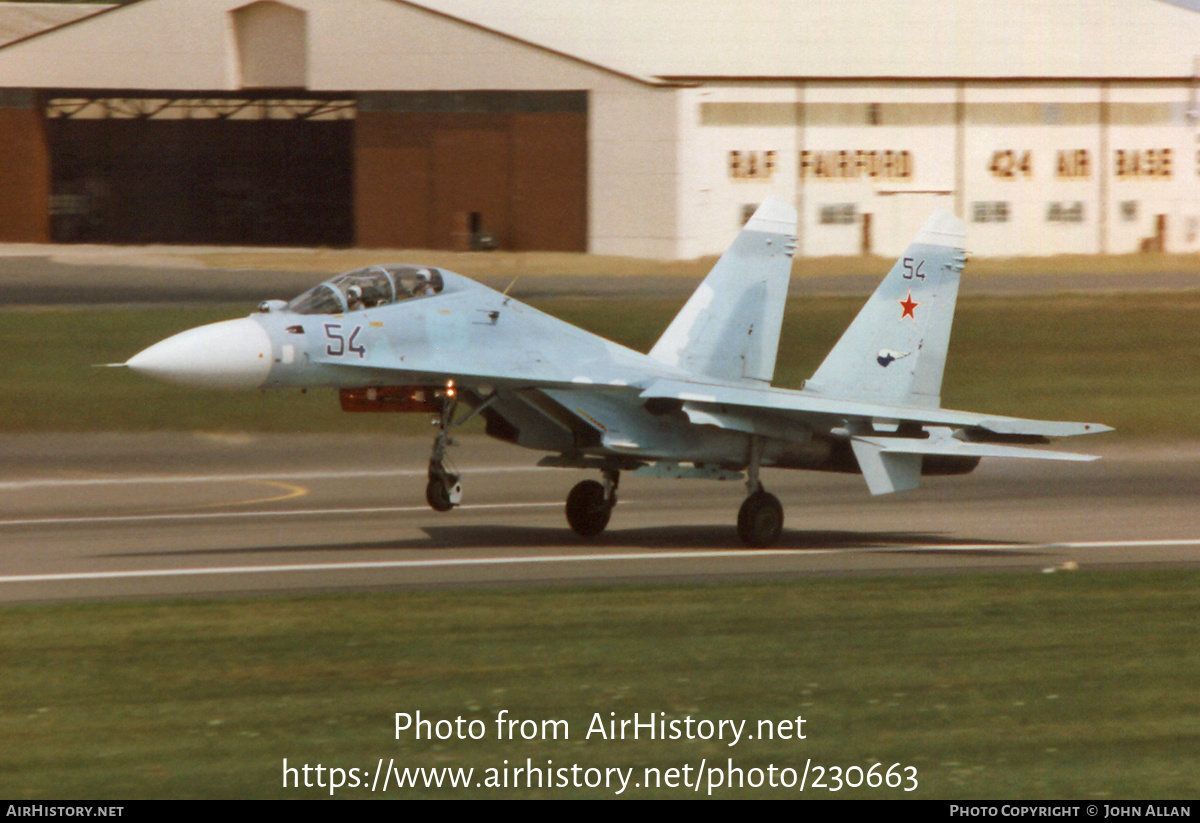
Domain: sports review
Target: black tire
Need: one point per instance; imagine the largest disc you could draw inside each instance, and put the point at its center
(760, 520)
(438, 496)
(587, 510)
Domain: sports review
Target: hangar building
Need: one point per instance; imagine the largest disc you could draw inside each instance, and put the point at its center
(622, 127)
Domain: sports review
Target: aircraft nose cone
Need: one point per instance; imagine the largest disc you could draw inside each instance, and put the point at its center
(233, 354)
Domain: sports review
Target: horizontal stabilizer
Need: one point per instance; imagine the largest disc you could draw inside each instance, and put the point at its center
(893, 464)
(952, 447)
(884, 471)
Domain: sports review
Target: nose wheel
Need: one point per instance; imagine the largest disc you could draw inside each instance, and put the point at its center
(443, 492)
(590, 504)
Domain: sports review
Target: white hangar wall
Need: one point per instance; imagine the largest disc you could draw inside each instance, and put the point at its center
(1053, 136)
(1026, 148)
(634, 174)
(1034, 167)
(1153, 142)
(876, 150)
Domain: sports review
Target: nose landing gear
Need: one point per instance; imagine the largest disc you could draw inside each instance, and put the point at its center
(444, 491)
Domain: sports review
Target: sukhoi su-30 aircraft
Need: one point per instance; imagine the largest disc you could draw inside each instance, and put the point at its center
(699, 404)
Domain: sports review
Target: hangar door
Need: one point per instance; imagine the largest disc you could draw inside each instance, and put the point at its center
(214, 170)
(447, 169)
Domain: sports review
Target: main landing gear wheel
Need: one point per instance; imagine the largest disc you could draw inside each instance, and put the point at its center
(760, 520)
(589, 507)
(587, 510)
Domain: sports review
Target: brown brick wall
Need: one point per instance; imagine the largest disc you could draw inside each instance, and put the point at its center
(24, 177)
(419, 174)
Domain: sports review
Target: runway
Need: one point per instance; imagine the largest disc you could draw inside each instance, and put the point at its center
(117, 516)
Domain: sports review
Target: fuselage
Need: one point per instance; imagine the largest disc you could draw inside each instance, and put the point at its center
(552, 386)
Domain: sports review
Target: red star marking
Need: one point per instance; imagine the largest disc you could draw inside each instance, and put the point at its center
(908, 304)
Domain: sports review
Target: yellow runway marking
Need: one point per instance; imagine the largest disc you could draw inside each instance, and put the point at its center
(291, 490)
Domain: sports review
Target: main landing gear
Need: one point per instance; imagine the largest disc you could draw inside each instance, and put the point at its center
(760, 519)
(590, 504)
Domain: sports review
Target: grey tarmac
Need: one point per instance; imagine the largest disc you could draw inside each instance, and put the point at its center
(117, 516)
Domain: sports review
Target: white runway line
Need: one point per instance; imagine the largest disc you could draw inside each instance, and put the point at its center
(405, 564)
(1106, 544)
(570, 558)
(149, 518)
(1096, 544)
(149, 479)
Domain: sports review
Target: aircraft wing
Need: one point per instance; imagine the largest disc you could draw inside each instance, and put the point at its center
(810, 407)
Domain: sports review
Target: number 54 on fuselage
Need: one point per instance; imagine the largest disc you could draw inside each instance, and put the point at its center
(698, 404)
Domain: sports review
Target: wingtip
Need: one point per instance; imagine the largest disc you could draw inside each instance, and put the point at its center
(1045, 428)
(1091, 428)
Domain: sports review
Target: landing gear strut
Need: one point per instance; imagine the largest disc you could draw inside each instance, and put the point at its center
(760, 519)
(590, 504)
(443, 491)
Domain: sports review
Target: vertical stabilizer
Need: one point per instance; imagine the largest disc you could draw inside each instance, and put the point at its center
(729, 328)
(895, 350)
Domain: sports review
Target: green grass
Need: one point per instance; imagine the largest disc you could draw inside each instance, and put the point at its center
(1008, 686)
(50, 384)
(1127, 360)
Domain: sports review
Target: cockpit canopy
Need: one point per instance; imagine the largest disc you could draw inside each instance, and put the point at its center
(368, 288)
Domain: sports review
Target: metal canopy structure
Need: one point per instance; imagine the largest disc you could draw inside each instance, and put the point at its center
(69, 104)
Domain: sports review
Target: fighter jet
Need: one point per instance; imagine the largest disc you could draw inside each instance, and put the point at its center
(699, 404)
